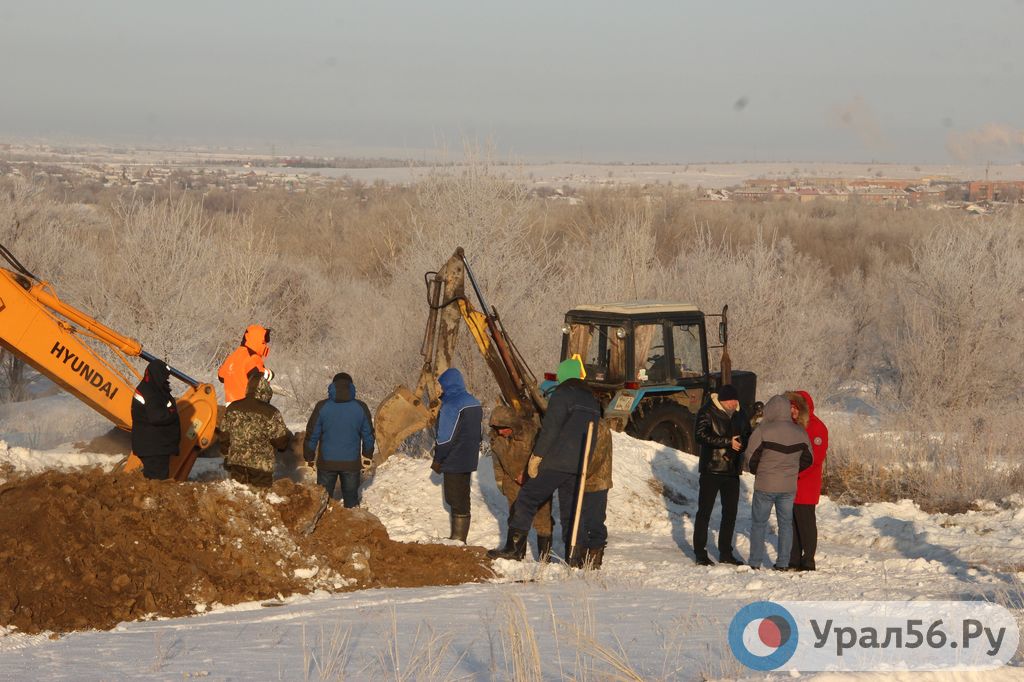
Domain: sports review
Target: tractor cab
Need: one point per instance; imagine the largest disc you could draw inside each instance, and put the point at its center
(648, 363)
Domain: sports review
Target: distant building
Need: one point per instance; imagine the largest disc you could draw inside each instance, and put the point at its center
(762, 195)
(887, 183)
(880, 195)
(926, 195)
(984, 190)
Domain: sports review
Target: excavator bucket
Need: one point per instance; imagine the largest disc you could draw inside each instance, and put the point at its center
(399, 416)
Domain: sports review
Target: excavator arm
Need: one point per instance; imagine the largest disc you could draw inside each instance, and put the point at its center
(406, 411)
(46, 333)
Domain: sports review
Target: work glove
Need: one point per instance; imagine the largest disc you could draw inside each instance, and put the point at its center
(366, 461)
(436, 466)
(533, 468)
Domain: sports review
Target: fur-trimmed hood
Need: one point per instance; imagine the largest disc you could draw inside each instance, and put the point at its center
(803, 406)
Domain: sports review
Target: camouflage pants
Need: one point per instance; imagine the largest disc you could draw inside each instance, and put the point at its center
(258, 478)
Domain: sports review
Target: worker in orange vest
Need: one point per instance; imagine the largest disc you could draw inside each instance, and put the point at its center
(244, 361)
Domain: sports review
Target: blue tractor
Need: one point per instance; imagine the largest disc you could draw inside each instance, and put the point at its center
(648, 363)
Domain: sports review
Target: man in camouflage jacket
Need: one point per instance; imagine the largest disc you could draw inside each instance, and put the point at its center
(593, 533)
(251, 432)
(511, 444)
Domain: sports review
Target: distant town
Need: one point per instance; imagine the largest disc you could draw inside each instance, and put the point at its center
(978, 196)
(82, 172)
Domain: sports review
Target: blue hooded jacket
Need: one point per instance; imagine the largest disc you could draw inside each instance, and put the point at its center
(342, 426)
(459, 426)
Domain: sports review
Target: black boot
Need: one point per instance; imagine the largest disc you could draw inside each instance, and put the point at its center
(515, 546)
(728, 558)
(544, 548)
(574, 556)
(704, 560)
(594, 558)
(460, 527)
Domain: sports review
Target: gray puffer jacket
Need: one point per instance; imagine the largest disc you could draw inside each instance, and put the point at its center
(778, 449)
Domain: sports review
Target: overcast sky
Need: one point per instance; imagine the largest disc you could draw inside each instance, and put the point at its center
(661, 80)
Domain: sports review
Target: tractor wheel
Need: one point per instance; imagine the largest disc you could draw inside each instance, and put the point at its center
(666, 423)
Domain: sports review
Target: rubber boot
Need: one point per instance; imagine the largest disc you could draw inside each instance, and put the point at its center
(594, 558)
(544, 548)
(515, 546)
(460, 527)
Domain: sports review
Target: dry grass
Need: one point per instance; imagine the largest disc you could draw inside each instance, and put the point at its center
(328, 657)
(942, 471)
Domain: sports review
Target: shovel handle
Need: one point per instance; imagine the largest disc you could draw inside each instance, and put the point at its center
(583, 484)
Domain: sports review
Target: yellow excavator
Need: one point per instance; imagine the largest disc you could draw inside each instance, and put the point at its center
(406, 411)
(50, 335)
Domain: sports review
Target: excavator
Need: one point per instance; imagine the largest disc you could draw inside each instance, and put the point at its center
(51, 336)
(406, 411)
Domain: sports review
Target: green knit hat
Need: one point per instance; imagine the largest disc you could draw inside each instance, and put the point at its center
(570, 369)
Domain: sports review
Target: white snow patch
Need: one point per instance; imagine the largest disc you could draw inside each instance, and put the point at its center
(28, 461)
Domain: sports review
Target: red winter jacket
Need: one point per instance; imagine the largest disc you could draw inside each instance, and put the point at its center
(808, 483)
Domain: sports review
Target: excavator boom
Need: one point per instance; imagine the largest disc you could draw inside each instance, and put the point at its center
(46, 333)
(406, 411)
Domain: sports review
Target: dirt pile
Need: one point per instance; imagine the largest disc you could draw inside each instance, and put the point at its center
(90, 549)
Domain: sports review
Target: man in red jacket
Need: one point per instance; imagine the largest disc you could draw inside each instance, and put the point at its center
(808, 484)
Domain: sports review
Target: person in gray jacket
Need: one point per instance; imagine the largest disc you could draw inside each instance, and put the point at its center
(778, 450)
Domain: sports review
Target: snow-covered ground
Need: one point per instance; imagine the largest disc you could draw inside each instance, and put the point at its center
(650, 612)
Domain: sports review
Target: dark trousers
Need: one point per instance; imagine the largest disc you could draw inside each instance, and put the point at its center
(712, 486)
(536, 491)
(593, 533)
(805, 535)
(158, 468)
(456, 492)
(349, 484)
(258, 478)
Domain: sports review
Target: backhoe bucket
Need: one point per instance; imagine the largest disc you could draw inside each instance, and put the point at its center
(399, 416)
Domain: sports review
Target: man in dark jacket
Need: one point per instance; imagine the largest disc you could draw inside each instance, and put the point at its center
(251, 433)
(457, 447)
(556, 460)
(777, 452)
(343, 428)
(722, 432)
(156, 428)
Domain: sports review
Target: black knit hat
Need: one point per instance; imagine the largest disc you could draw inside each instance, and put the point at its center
(727, 392)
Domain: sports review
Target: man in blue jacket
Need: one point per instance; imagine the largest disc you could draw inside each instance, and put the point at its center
(343, 428)
(457, 448)
(556, 460)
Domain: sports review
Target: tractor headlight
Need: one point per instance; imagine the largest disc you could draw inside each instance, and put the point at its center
(620, 333)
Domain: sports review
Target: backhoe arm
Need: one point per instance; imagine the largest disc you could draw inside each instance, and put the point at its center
(406, 411)
(46, 333)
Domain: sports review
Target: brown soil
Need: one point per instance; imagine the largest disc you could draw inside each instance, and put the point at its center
(90, 549)
(113, 442)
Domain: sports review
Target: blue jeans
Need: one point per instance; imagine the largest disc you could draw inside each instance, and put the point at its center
(349, 484)
(760, 510)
